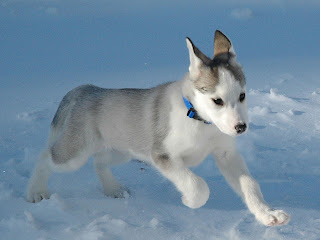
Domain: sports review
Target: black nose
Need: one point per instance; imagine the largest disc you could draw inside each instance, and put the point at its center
(240, 128)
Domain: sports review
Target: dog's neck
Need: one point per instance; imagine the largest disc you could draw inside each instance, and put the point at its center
(192, 113)
(187, 96)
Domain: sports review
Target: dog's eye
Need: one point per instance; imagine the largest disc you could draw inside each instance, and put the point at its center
(218, 101)
(242, 97)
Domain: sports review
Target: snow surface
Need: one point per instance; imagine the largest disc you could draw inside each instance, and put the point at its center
(48, 47)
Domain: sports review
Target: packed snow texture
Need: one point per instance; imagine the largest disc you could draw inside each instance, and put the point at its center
(55, 50)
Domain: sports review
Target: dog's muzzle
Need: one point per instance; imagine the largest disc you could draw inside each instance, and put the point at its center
(241, 127)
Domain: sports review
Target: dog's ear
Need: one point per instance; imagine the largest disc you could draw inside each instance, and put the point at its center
(197, 59)
(222, 44)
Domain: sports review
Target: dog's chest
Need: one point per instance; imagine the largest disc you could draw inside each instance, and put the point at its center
(191, 143)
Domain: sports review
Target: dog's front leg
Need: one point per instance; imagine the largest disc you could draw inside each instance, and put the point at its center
(195, 191)
(234, 169)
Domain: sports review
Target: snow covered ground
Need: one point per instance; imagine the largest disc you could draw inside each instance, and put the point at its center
(49, 47)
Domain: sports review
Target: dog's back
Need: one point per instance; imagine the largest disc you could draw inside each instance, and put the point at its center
(123, 119)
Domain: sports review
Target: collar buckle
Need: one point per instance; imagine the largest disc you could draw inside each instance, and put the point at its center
(192, 113)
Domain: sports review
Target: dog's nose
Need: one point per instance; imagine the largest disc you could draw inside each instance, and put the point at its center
(241, 127)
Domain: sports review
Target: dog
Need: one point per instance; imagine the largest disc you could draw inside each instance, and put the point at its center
(172, 126)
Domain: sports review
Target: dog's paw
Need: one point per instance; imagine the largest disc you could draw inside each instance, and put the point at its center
(273, 217)
(198, 194)
(35, 197)
(119, 192)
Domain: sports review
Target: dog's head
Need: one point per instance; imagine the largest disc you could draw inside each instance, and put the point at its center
(218, 86)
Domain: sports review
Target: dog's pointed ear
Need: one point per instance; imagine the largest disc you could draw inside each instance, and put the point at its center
(197, 59)
(222, 44)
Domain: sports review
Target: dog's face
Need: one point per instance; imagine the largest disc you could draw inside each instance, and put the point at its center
(219, 93)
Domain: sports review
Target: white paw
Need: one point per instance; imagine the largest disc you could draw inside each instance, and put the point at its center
(273, 217)
(117, 192)
(35, 197)
(198, 194)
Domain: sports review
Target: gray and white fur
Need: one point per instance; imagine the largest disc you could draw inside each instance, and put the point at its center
(117, 125)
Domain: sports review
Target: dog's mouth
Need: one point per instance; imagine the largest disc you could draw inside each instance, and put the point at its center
(238, 130)
(234, 131)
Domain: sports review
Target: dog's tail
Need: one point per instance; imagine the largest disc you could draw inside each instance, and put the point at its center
(63, 111)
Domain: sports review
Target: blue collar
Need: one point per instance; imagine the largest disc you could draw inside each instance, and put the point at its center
(192, 113)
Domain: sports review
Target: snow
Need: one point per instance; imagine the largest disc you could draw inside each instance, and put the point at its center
(47, 50)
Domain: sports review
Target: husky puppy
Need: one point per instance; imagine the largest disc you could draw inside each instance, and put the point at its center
(173, 126)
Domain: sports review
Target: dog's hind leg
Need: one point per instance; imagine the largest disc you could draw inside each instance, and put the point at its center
(103, 161)
(37, 187)
(65, 152)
